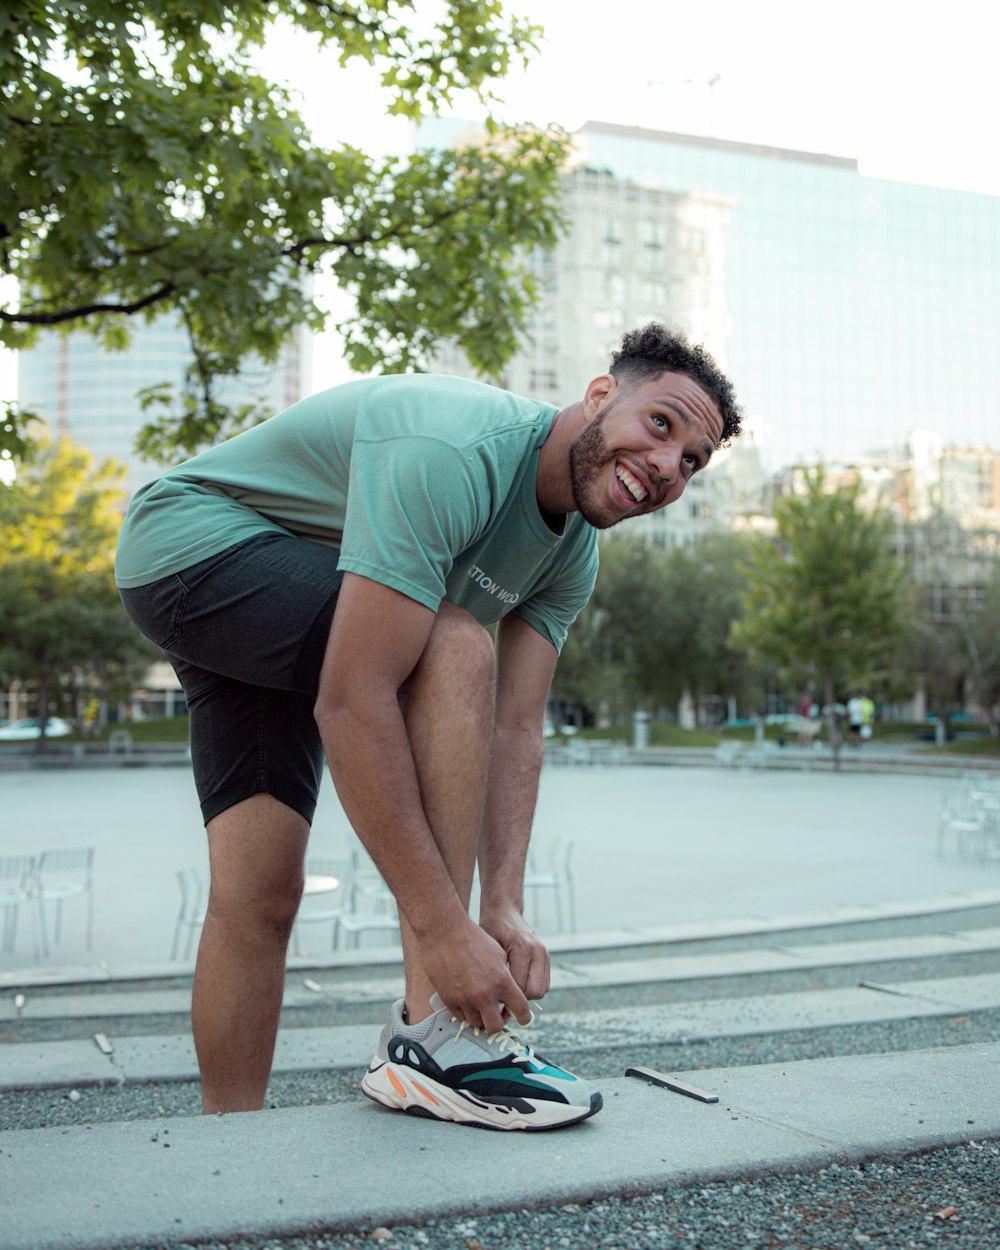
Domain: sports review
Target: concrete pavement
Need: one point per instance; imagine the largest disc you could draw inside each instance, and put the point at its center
(355, 1166)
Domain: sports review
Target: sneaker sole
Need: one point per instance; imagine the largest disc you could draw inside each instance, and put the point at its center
(397, 1087)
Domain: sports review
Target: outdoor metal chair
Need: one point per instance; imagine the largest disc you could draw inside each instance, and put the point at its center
(327, 903)
(62, 875)
(551, 869)
(371, 907)
(354, 923)
(17, 875)
(191, 915)
(969, 820)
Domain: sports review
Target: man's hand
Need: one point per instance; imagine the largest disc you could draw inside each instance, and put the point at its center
(469, 970)
(527, 958)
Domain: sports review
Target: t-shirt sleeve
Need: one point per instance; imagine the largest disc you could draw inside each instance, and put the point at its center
(553, 609)
(413, 504)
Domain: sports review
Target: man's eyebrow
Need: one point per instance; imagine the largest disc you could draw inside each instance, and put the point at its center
(672, 404)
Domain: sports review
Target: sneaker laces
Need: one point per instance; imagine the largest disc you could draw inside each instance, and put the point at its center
(505, 1038)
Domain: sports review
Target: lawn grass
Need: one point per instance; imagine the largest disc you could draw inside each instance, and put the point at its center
(987, 746)
(164, 729)
(661, 734)
(174, 729)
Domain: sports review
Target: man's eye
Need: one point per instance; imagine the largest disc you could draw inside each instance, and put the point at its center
(661, 423)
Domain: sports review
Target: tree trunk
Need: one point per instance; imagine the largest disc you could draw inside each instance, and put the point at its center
(832, 724)
(43, 710)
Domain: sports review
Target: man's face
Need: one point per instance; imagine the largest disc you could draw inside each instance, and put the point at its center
(639, 450)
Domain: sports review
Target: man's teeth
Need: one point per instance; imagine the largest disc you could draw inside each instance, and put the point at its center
(635, 487)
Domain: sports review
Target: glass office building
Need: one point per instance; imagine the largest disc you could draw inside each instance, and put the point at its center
(856, 310)
(860, 310)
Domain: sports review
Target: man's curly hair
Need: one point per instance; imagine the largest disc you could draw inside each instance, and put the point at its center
(654, 349)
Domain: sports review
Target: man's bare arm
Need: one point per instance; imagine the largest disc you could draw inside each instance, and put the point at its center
(377, 639)
(525, 664)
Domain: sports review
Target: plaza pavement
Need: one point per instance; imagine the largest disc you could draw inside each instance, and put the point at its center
(655, 847)
(658, 850)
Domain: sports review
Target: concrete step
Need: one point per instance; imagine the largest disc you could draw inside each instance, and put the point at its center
(354, 1166)
(80, 1062)
(39, 975)
(583, 973)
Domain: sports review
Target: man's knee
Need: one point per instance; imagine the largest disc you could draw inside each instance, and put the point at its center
(459, 659)
(264, 907)
(257, 853)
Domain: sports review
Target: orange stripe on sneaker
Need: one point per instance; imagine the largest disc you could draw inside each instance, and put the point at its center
(396, 1083)
(420, 1090)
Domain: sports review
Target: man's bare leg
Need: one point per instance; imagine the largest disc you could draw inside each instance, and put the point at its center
(448, 707)
(257, 850)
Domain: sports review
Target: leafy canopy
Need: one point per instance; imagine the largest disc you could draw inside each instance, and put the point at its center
(61, 621)
(146, 168)
(656, 628)
(827, 599)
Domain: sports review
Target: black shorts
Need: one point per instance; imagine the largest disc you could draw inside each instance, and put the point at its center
(246, 632)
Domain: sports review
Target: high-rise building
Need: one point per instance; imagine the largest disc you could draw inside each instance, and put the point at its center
(850, 311)
(91, 395)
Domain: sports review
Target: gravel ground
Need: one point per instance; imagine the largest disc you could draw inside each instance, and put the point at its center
(50, 1108)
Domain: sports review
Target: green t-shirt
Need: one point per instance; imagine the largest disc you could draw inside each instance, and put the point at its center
(425, 483)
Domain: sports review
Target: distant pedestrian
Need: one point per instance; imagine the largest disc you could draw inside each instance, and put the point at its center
(867, 717)
(855, 718)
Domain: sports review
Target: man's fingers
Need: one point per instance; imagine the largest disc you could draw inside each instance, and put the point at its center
(519, 1007)
(536, 984)
(520, 963)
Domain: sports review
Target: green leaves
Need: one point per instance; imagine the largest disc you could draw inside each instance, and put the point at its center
(826, 599)
(147, 169)
(60, 616)
(656, 627)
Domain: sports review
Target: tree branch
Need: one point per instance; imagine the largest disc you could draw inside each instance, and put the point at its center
(397, 232)
(87, 310)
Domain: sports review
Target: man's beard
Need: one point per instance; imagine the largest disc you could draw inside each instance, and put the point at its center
(588, 457)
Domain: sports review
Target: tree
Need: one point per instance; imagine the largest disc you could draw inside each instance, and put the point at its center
(957, 659)
(827, 599)
(61, 621)
(147, 169)
(951, 651)
(706, 594)
(656, 628)
(981, 633)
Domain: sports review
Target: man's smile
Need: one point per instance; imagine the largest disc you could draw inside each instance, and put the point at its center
(631, 483)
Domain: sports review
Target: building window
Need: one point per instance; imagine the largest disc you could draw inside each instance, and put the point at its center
(651, 293)
(653, 234)
(615, 288)
(612, 230)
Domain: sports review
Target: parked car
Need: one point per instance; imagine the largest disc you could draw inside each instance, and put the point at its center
(25, 730)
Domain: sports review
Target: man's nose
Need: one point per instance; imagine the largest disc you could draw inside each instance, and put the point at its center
(666, 461)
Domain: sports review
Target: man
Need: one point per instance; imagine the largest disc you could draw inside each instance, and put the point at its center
(867, 717)
(321, 585)
(855, 717)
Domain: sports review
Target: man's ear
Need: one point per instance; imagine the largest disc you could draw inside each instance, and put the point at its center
(600, 391)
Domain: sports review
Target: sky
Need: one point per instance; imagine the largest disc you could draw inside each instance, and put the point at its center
(910, 91)
(911, 97)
